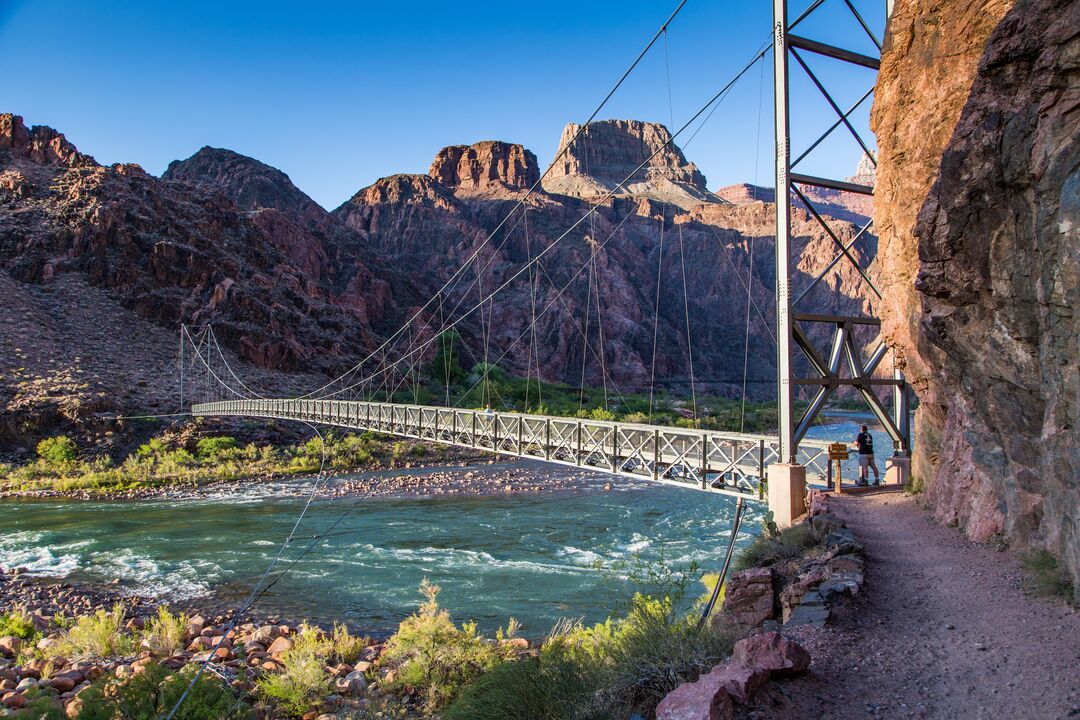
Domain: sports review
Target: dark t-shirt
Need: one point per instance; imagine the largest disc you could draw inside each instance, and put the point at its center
(865, 441)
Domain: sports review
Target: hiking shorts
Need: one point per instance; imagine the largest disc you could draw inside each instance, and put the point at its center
(865, 460)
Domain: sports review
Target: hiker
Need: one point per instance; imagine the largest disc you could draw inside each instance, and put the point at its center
(864, 441)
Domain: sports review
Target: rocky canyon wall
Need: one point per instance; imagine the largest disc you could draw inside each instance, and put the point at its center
(977, 115)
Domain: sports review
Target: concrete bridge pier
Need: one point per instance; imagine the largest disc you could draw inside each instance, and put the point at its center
(787, 493)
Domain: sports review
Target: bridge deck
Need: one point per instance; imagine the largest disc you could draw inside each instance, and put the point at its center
(706, 460)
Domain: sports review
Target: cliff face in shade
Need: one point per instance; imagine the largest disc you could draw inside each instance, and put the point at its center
(609, 151)
(484, 165)
(311, 238)
(977, 115)
(226, 239)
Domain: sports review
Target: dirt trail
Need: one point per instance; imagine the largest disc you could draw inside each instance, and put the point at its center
(942, 630)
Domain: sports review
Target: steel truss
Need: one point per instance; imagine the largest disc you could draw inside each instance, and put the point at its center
(711, 461)
(790, 186)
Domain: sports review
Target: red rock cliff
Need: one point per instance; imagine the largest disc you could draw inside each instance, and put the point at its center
(485, 164)
(977, 115)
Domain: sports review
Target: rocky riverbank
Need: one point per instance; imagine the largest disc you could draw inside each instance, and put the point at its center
(475, 476)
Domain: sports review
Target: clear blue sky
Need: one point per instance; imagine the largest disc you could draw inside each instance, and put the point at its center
(338, 94)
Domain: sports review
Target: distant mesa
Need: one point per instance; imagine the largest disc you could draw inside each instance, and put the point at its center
(745, 193)
(609, 151)
(484, 165)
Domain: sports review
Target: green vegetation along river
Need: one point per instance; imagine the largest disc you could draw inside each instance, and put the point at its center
(530, 556)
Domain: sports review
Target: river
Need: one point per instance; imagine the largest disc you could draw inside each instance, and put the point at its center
(529, 556)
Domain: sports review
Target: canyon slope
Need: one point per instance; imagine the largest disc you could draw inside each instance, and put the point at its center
(977, 115)
(296, 293)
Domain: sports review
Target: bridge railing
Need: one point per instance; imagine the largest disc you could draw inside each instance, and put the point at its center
(709, 460)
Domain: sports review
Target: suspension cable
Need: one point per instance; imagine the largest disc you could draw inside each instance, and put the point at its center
(528, 194)
(717, 97)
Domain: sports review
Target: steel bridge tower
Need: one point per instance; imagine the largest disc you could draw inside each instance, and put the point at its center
(787, 479)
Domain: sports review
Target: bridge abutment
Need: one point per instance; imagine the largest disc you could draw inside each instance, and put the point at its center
(787, 493)
(898, 470)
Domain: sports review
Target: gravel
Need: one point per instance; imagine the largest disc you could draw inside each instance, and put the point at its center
(943, 629)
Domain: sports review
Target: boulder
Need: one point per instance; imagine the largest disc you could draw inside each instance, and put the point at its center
(200, 643)
(739, 681)
(13, 700)
(705, 699)
(773, 652)
(280, 645)
(10, 646)
(749, 597)
(794, 593)
(354, 684)
(846, 563)
(264, 635)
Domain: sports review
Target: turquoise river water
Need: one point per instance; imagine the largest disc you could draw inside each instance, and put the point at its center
(527, 556)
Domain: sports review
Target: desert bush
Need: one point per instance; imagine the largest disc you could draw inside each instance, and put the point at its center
(772, 547)
(303, 682)
(164, 634)
(153, 693)
(151, 449)
(99, 635)
(547, 687)
(434, 656)
(58, 452)
(345, 647)
(17, 623)
(210, 448)
(611, 670)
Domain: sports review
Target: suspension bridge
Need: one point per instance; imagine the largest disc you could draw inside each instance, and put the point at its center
(772, 468)
(764, 467)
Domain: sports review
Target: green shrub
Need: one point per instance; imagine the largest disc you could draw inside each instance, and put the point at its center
(768, 549)
(164, 634)
(17, 623)
(1044, 576)
(548, 687)
(435, 657)
(297, 688)
(59, 452)
(642, 657)
(151, 449)
(345, 647)
(303, 682)
(611, 670)
(211, 448)
(153, 693)
(40, 705)
(99, 635)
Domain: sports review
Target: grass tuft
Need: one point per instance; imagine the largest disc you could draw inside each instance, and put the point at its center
(771, 548)
(1045, 577)
(100, 635)
(164, 634)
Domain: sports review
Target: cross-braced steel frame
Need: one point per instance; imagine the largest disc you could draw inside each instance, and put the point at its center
(789, 44)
